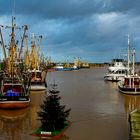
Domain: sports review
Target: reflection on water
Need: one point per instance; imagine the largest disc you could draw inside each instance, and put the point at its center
(99, 111)
(131, 102)
(18, 124)
(64, 137)
(134, 120)
(14, 124)
(112, 85)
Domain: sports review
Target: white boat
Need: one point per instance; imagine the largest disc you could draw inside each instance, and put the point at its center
(75, 67)
(59, 67)
(119, 70)
(116, 71)
(77, 63)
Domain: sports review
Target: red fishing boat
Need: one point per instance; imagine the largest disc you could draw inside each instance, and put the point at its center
(14, 82)
(37, 68)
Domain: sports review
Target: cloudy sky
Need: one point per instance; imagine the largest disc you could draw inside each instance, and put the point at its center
(94, 30)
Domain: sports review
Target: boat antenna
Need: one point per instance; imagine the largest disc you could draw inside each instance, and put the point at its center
(128, 55)
(133, 56)
(13, 8)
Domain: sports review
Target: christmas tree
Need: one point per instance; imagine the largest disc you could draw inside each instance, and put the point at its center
(53, 116)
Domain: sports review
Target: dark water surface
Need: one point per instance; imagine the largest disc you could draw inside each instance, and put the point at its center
(99, 111)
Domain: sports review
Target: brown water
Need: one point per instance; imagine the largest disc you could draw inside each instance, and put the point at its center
(99, 111)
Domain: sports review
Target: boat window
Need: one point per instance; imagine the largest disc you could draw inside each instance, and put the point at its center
(13, 89)
(112, 65)
(33, 74)
(126, 81)
(124, 71)
(109, 71)
(118, 72)
(38, 75)
(136, 81)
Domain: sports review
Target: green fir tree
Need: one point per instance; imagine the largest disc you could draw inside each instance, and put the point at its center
(53, 116)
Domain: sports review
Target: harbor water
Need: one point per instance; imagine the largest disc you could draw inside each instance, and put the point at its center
(98, 110)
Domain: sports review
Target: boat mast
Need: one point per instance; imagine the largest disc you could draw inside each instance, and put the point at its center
(26, 54)
(128, 55)
(133, 57)
(20, 51)
(38, 50)
(12, 45)
(33, 53)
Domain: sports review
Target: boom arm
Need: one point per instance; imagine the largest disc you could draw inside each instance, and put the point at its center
(20, 51)
(2, 44)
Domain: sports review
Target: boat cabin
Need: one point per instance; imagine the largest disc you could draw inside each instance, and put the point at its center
(117, 63)
(10, 89)
(118, 71)
(36, 74)
(132, 82)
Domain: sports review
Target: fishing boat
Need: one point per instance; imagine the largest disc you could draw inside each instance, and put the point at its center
(37, 70)
(77, 64)
(130, 84)
(116, 71)
(53, 117)
(14, 93)
(67, 66)
(38, 81)
(85, 65)
(14, 82)
(61, 67)
(49, 63)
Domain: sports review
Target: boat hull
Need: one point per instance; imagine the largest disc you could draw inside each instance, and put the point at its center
(63, 69)
(134, 91)
(113, 78)
(15, 103)
(38, 88)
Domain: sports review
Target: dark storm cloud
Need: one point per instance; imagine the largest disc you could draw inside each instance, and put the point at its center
(74, 8)
(123, 5)
(51, 8)
(66, 9)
